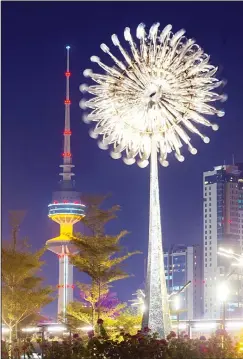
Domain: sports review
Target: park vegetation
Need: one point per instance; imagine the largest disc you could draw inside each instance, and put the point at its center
(115, 326)
(142, 345)
(23, 292)
(100, 256)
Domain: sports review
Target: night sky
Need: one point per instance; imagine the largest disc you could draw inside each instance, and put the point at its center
(34, 36)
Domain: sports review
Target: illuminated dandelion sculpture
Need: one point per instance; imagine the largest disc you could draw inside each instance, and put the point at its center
(145, 107)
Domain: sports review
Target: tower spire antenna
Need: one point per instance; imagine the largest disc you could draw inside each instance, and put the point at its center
(65, 209)
(67, 155)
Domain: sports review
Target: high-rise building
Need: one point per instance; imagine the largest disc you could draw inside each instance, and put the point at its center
(183, 264)
(240, 201)
(221, 222)
(66, 209)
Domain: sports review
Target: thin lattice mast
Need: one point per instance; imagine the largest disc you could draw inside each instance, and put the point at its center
(67, 155)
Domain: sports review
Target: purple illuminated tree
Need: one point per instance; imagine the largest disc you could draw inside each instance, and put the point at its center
(100, 257)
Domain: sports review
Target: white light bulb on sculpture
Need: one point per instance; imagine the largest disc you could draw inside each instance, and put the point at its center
(144, 107)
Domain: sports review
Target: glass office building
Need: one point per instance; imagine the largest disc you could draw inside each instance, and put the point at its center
(222, 213)
(183, 264)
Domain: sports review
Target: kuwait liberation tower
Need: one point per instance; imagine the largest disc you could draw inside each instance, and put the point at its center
(66, 209)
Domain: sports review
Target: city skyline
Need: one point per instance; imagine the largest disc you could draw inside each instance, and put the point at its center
(39, 127)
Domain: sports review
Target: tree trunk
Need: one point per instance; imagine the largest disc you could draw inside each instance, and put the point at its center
(93, 314)
(16, 331)
(10, 343)
(99, 301)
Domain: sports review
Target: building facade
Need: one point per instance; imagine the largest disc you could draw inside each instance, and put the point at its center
(240, 202)
(221, 228)
(183, 264)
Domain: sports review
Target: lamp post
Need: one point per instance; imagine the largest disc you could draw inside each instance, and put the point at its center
(237, 262)
(223, 292)
(42, 328)
(177, 305)
(174, 296)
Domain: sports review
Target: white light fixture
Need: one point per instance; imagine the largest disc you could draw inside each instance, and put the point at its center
(143, 308)
(177, 302)
(234, 325)
(182, 326)
(56, 328)
(205, 325)
(86, 329)
(223, 291)
(31, 329)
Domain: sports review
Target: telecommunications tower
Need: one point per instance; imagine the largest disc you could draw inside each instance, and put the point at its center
(66, 209)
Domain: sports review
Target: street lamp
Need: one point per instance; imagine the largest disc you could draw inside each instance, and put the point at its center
(177, 306)
(223, 291)
(174, 296)
(237, 262)
(229, 253)
(180, 290)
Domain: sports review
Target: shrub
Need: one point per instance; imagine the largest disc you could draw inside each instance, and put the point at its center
(143, 345)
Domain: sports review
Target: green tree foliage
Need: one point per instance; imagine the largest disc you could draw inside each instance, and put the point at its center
(88, 314)
(23, 294)
(129, 321)
(96, 218)
(99, 256)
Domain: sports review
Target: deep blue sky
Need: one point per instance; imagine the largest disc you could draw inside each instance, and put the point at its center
(34, 35)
